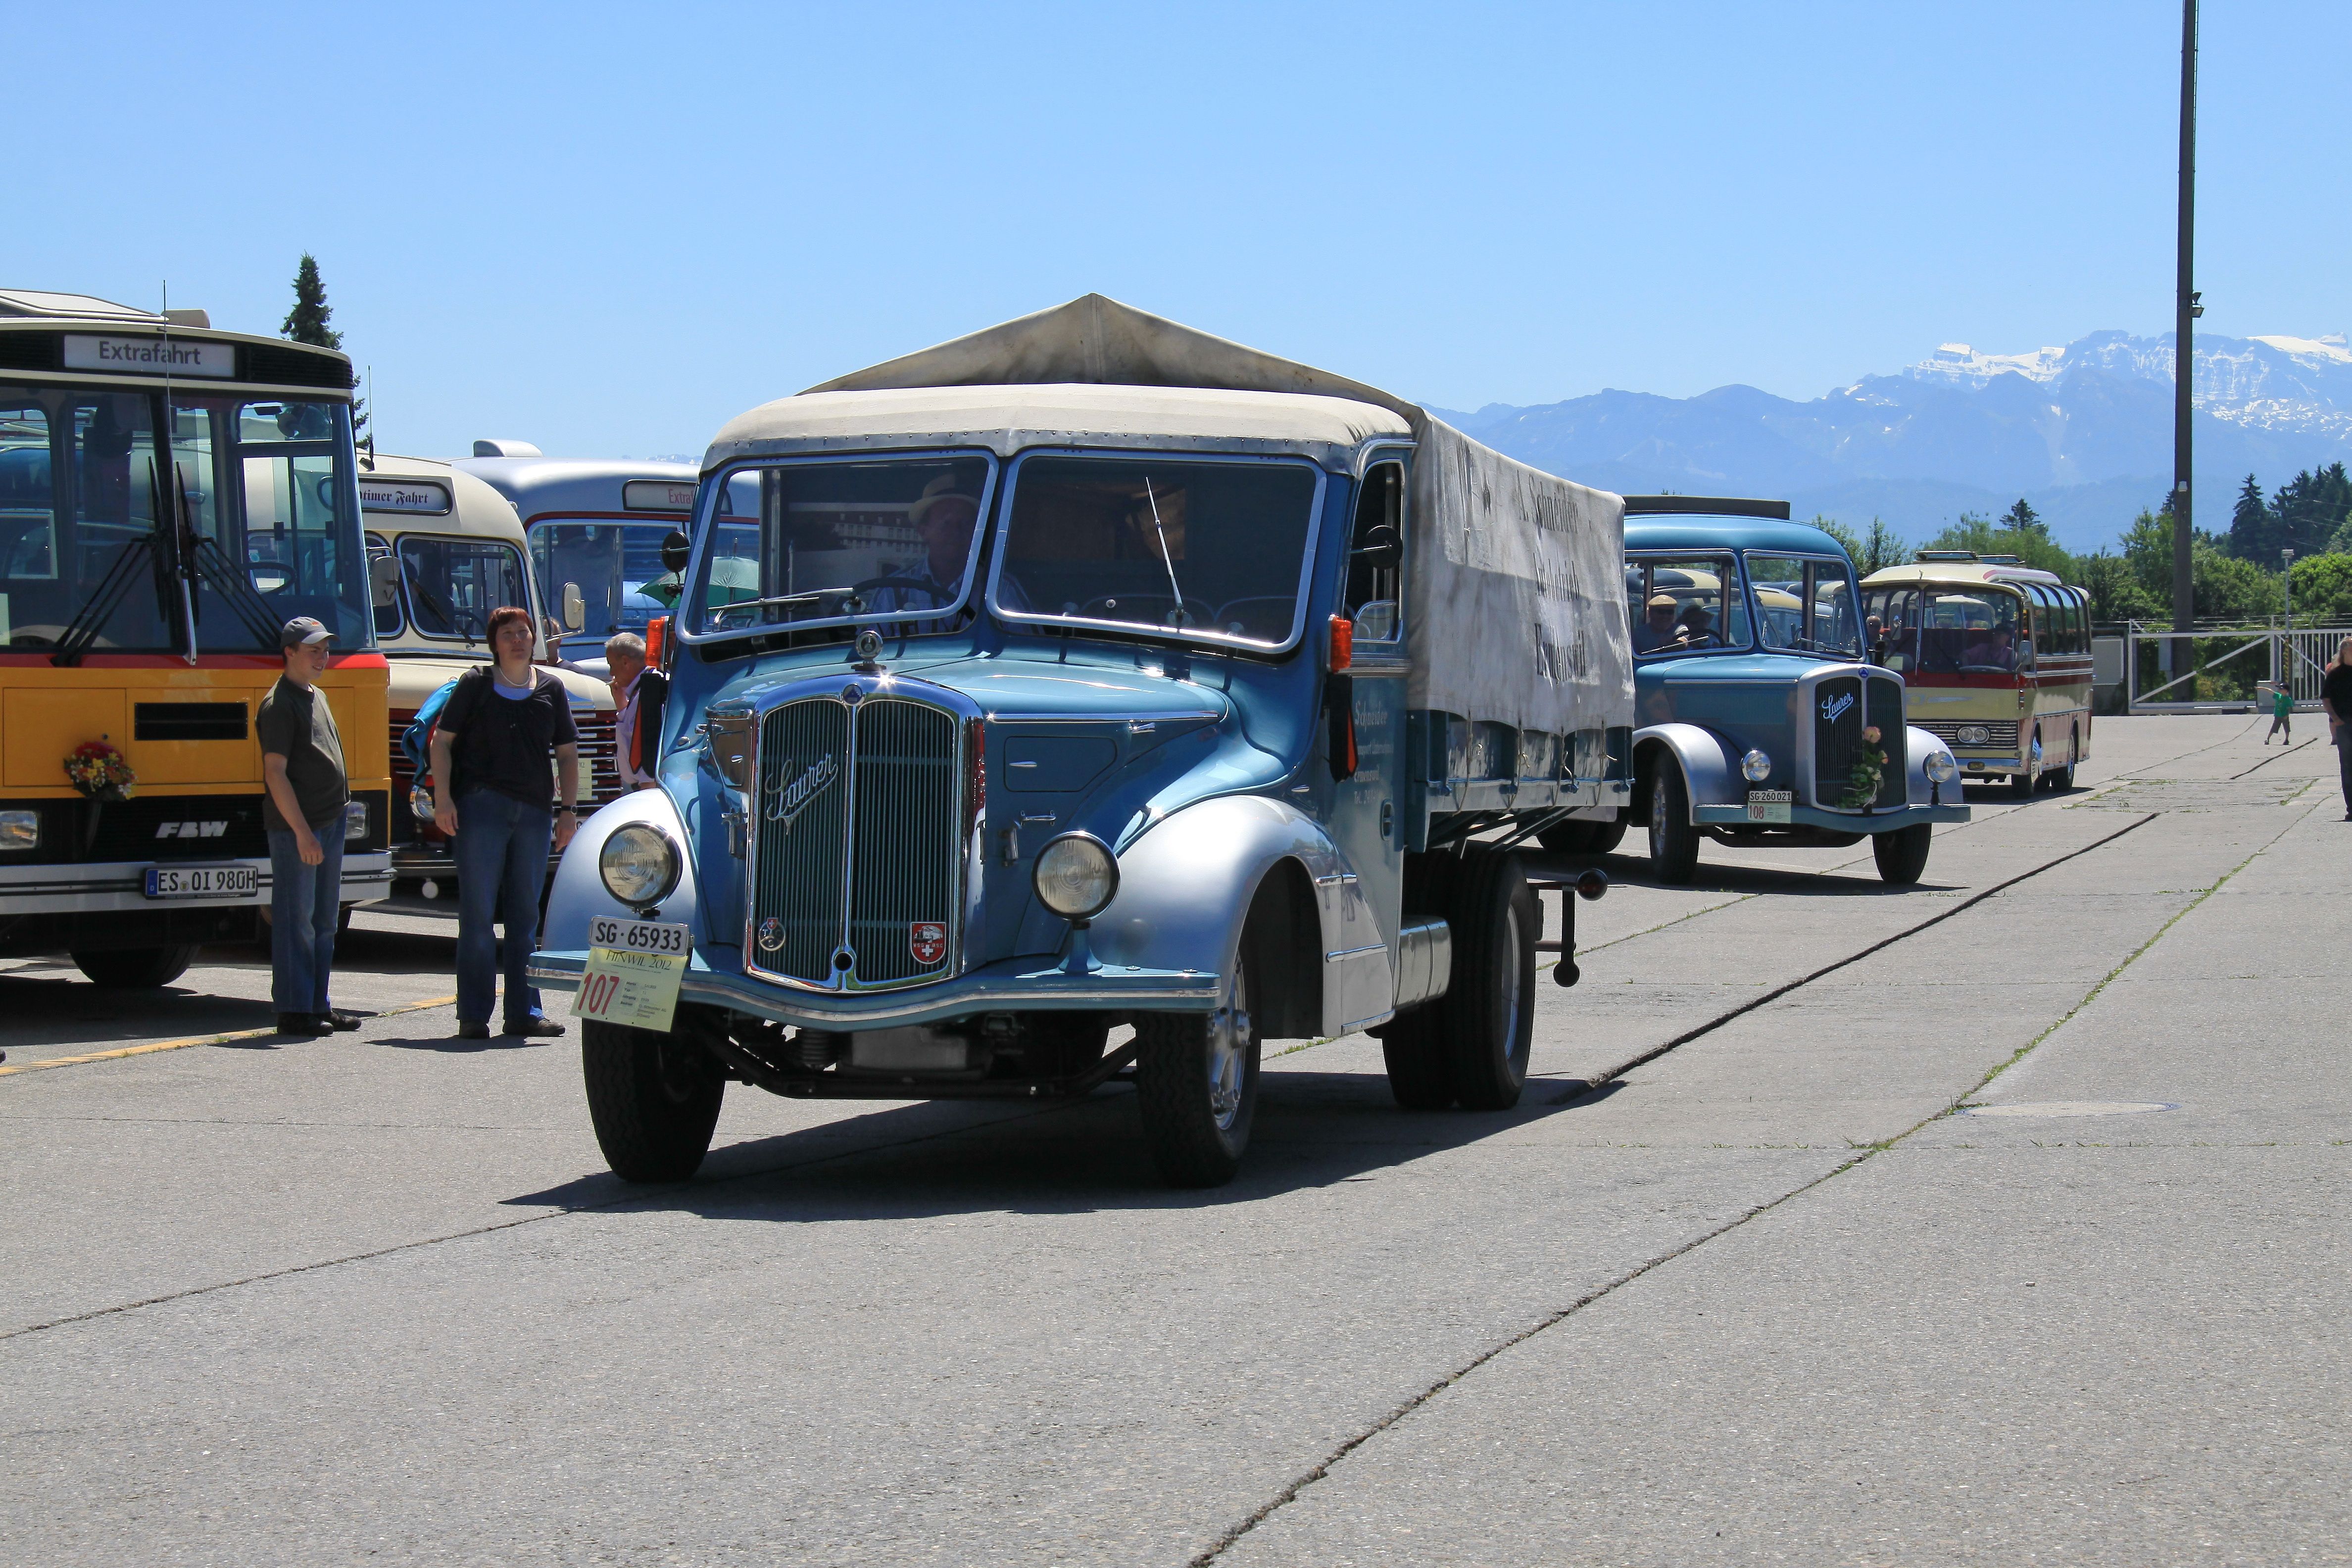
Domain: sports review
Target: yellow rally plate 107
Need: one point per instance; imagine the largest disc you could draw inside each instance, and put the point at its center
(632, 986)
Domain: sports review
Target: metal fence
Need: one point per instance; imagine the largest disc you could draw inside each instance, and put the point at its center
(2228, 667)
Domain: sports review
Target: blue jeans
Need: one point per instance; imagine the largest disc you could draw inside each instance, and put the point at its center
(304, 903)
(503, 847)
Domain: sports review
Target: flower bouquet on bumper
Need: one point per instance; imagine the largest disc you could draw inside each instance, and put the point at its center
(100, 771)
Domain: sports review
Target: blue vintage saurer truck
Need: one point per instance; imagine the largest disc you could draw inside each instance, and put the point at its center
(1761, 719)
(1094, 697)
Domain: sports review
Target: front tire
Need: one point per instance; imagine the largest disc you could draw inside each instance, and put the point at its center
(1486, 1017)
(136, 968)
(2023, 785)
(1673, 841)
(1902, 855)
(1196, 1085)
(654, 1098)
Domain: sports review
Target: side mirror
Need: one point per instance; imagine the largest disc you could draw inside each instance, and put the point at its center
(674, 549)
(575, 608)
(1381, 550)
(383, 582)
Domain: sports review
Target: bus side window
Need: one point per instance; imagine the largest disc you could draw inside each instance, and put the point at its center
(2081, 616)
(1373, 597)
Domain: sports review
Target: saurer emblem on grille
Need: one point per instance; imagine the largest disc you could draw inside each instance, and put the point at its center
(787, 801)
(1833, 706)
(927, 941)
(771, 934)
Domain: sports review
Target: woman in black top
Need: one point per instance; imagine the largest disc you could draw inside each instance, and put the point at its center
(2335, 696)
(493, 794)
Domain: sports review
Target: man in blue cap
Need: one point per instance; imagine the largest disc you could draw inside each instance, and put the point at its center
(302, 808)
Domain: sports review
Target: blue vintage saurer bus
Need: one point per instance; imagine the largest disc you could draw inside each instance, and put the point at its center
(1761, 718)
(1093, 695)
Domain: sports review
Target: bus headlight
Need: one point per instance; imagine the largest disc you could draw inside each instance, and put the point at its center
(1757, 766)
(354, 821)
(1941, 768)
(20, 830)
(639, 864)
(1075, 876)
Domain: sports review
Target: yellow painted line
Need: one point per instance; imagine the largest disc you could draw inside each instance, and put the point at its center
(427, 1004)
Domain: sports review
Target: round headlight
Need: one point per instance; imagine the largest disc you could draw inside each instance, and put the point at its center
(639, 864)
(1075, 876)
(1941, 767)
(1757, 766)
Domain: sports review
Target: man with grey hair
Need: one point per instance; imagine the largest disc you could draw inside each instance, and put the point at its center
(637, 694)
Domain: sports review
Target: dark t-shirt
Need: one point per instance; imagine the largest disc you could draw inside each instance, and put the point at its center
(504, 743)
(296, 724)
(2338, 689)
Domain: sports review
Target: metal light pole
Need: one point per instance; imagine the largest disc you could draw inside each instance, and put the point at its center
(2286, 570)
(2184, 360)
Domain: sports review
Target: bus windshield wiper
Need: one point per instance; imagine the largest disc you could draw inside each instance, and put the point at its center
(1176, 616)
(100, 607)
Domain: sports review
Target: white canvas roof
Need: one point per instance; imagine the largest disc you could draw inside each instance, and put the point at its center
(1515, 596)
(1007, 418)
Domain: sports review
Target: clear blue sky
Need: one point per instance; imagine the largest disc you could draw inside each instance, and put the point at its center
(610, 228)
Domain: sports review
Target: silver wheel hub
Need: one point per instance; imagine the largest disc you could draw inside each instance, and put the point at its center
(1228, 1039)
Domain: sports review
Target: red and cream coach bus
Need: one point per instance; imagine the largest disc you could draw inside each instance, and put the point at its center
(1996, 662)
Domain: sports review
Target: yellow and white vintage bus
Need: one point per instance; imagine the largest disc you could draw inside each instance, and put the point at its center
(1996, 662)
(170, 497)
(459, 552)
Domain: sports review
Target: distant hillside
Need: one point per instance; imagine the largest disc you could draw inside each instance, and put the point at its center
(2084, 432)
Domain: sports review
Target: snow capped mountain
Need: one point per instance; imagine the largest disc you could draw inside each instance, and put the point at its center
(2084, 431)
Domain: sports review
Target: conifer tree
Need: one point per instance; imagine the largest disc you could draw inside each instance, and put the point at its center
(306, 323)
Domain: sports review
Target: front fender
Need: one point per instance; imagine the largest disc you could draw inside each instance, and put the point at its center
(1185, 886)
(1710, 766)
(1918, 790)
(579, 894)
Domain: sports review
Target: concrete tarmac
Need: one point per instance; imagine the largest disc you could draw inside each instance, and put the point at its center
(1789, 1290)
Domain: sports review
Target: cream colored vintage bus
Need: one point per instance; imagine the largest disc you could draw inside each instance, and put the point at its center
(1996, 659)
(461, 553)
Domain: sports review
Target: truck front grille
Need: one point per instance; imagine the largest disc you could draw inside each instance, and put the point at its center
(1841, 706)
(857, 853)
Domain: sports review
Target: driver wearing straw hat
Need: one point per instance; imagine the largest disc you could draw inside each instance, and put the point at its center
(943, 519)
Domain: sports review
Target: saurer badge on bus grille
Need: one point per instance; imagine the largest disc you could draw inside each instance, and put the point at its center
(927, 941)
(771, 934)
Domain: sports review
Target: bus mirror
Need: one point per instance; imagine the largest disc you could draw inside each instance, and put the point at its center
(1381, 550)
(383, 582)
(674, 549)
(575, 608)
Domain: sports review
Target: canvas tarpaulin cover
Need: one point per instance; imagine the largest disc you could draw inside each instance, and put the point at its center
(1515, 591)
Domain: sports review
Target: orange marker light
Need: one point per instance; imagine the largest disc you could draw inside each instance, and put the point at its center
(1343, 642)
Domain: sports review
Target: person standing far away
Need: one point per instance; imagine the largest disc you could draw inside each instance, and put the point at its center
(637, 696)
(2282, 715)
(494, 795)
(2335, 696)
(305, 792)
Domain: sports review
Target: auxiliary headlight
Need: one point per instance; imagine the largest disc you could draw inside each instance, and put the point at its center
(1941, 768)
(639, 864)
(20, 830)
(1757, 766)
(1075, 876)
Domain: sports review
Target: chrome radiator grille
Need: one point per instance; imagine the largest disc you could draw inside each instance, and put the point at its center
(857, 849)
(1841, 706)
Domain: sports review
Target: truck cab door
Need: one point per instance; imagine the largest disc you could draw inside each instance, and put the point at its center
(1358, 808)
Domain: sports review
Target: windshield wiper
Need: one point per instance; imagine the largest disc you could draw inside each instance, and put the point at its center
(1176, 618)
(100, 607)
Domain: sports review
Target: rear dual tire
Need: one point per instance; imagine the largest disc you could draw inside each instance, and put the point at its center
(1471, 1045)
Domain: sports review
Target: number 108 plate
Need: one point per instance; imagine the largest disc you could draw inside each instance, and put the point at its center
(1769, 805)
(637, 936)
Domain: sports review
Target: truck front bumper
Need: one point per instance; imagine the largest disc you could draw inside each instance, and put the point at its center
(1889, 821)
(1032, 984)
(107, 887)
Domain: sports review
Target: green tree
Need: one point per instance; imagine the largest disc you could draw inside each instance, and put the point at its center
(2116, 594)
(1871, 551)
(2030, 543)
(306, 323)
(2310, 509)
(2254, 527)
(2225, 587)
(2020, 518)
(2323, 589)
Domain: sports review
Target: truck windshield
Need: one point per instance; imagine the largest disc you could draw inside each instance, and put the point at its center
(89, 477)
(1212, 549)
(1805, 604)
(890, 542)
